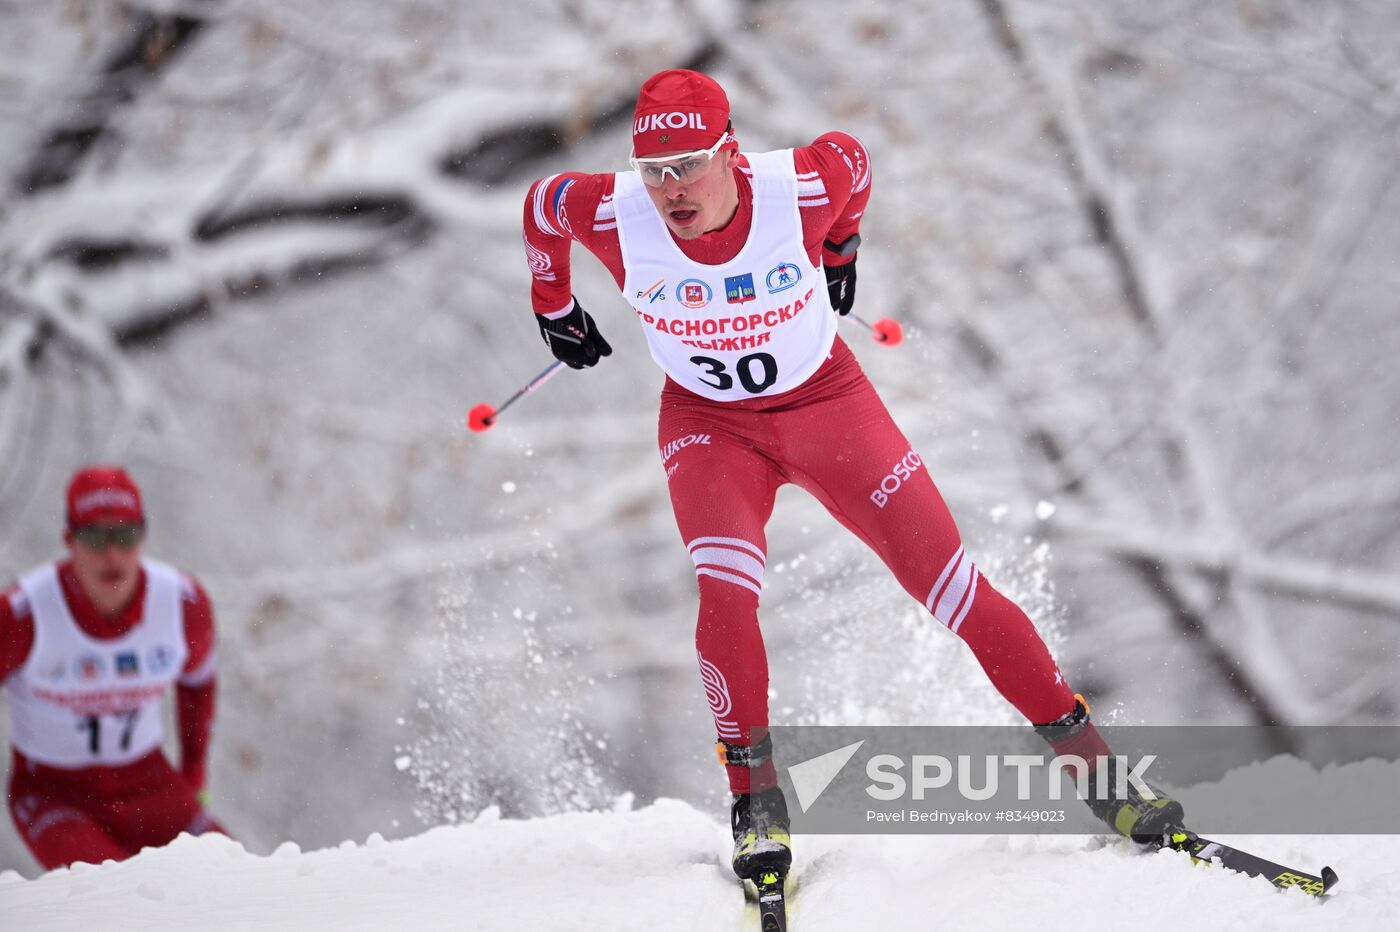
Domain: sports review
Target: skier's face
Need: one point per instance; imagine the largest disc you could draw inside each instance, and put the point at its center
(700, 205)
(107, 562)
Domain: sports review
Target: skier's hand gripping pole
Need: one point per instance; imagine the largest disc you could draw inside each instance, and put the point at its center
(841, 287)
(483, 416)
(575, 342)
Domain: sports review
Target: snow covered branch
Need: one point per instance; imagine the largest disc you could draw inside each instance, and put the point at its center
(153, 40)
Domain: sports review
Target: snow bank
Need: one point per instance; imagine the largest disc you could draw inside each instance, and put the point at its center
(662, 868)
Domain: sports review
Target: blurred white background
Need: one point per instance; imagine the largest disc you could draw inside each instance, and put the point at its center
(268, 256)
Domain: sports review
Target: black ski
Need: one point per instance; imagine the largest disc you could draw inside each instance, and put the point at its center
(772, 904)
(1204, 850)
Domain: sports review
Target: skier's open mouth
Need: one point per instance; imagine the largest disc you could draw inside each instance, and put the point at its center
(684, 217)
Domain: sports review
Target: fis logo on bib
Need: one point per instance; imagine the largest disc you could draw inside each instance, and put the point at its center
(693, 293)
(655, 293)
(782, 277)
(739, 288)
(127, 664)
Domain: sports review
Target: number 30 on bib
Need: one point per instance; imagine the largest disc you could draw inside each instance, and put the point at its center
(756, 372)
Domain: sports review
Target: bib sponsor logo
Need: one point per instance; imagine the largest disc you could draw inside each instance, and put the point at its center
(88, 667)
(675, 446)
(896, 479)
(693, 293)
(739, 288)
(655, 293)
(127, 664)
(782, 277)
(56, 671)
(676, 119)
(159, 658)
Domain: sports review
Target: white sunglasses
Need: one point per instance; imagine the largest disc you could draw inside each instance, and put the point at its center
(685, 168)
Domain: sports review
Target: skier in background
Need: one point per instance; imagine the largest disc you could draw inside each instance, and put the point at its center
(88, 647)
(736, 266)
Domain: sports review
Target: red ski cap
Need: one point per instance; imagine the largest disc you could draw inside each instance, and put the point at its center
(679, 111)
(103, 495)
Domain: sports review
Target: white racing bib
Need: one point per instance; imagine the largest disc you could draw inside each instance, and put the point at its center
(759, 324)
(82, 702)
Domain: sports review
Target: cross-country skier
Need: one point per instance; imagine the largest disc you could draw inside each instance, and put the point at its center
(88, 647)
(736, 266)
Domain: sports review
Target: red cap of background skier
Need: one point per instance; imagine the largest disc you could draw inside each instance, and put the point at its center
(679, 111)
(103, 495)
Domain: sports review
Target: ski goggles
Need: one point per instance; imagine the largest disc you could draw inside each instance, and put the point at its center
(100, 536)
(685, 168)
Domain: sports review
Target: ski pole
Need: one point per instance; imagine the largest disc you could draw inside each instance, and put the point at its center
(483, 416)
(885, 330)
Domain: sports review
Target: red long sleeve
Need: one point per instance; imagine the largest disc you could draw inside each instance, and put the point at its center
(16, 631)
(558, 210)
(844, 168)
(194, 710)
(197, 686)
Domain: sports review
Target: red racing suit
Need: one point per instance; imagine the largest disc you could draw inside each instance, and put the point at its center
(831, 435)
(101, 813)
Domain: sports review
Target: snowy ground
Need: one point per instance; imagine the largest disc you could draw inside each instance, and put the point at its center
(660, 868)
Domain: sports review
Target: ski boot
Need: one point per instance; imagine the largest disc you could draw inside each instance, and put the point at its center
(1158, 821)
(762, 844)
